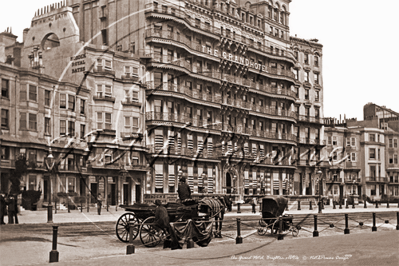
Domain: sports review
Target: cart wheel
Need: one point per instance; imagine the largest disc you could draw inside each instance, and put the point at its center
(123, 226)
(274, 228)
(295, 231)
(149, 235)
(262, 231)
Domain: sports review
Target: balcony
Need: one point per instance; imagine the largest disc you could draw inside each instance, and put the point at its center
(7, 163)
(152, 8)
(104, 98)
(376, 179)
(310, 119)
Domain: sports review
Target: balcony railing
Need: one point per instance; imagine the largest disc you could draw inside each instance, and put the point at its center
(181, 118)
(311, 119)
(376, 179)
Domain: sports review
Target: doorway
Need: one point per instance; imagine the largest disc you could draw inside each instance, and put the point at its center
(126, 194)
(93, 189)
(113, 194)
(228, 183)
(138, 193)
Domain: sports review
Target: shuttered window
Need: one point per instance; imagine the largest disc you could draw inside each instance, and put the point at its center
(210, 180)
(190, 178)
(158, 176)
(171, 177)
(158, 139)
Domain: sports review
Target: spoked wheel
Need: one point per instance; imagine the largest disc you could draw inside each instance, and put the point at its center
(263, 229)
(149, 235)
(274, 228)
(123, 226)
(295, 231)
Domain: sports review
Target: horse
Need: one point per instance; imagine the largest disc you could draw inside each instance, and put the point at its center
(218, 206)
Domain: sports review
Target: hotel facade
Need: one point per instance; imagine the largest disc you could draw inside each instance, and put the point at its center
(216, 91)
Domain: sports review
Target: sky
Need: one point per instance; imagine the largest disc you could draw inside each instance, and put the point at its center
(359, 47)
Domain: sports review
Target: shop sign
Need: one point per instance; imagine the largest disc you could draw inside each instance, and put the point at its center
(78, 63)
(231, 57)
(164, 198)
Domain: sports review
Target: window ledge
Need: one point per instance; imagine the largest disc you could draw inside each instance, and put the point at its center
(107, 99)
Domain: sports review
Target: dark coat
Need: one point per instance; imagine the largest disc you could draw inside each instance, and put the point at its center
(162, 218)
(2, 205)
(184, 191)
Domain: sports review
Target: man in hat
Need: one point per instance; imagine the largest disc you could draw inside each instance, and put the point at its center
(183, 190)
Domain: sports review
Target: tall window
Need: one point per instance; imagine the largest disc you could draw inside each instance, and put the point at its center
(62, 127)
(157, 80)
(47, 98)
(316, 78)
(32, 122)
(390, 143)
(372, 172)
(316, 61)
(82, 106)
(108, 121)
(22, 121)
(82, 130)
(306, 94)
(47, 126)
(372, 137)
(306, 59)
(5, 88)
(395, 143)
(71, 128)
(32, 93)
(372, 153)
(71, 102)
(306, 76)
(4, 119)
(63, 100)
(317, 96)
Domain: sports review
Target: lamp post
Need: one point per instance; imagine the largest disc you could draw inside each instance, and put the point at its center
(320, 179)
(50, 164)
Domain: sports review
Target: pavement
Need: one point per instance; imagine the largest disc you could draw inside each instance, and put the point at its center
(113, 213)
(370, 248)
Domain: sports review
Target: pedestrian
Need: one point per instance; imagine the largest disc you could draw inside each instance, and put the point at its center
(183, 190)
(253, 203)
(3, 207)
(12, 209)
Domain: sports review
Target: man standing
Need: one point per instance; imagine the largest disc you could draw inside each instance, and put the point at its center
(162, 222)
(2, 208)
(12, 210)
(183, 190)
(253, 203)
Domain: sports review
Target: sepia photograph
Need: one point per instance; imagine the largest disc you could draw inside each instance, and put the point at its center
(198, 132)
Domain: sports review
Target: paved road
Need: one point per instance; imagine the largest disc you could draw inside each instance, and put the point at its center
(83, 241)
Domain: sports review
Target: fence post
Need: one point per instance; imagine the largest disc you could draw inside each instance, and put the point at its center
(130, 247)
(388, 203)
(315, 232)
(55, 205)
(54, 252)
(346, 204)
(353, 204)
(49, 213)
(238, 207)
(280, 228)
(81, 206)
(310, 205)
(334, 205)
(374, 228)
(365, 203)
(299, 205)
(238, 238)
(346, 230)
(340, 203)
(376, 204)
(88, 202)
(397, 221)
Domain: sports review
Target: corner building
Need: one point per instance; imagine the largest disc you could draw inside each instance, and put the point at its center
(222, 103)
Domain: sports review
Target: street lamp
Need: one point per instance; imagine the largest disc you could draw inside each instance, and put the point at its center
(50, 165)
(320, 179)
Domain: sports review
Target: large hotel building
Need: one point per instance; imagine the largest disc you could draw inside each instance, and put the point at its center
(216, 91)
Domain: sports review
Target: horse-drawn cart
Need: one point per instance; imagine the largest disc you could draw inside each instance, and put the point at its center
(141, 218)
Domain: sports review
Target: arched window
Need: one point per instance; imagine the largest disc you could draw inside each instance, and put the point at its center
(50, 41)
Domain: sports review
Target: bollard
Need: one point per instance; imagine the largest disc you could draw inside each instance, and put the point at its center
(238, 208)
(346, 205)
(374, 228)
(353, 204)
(346, 230)
(81, 206)
(69, 211)
(238, 238)
(315, 232)
(99, 208)
(310, 205)
(376, 204)
(397, 221)
(54, 252)
(365, 204)
(334, 205)
(88, 202)
(340, 203)
(299, 205)
(280, 229)
(130, 248)
(55, 205)
(388, 203)
(190, 243)
(49, 214)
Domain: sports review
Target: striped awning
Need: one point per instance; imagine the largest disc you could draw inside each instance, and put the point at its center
(171, 139)
(179, 142)
(158, 142)
(158, 180)
(210, 146)
(210, 184)
(276, 185)
(172, 180)
(190, 143)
